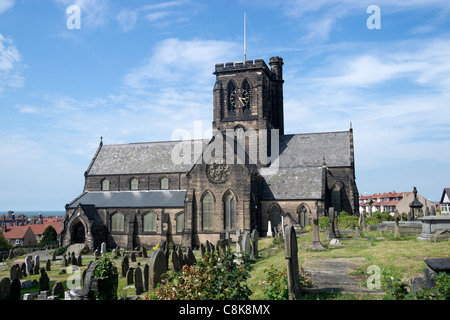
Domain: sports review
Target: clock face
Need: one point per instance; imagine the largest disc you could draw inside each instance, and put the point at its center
(245, 99)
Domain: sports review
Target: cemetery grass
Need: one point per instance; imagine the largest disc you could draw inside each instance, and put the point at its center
(401, 258)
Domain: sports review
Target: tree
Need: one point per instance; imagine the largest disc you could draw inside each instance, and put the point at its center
(3, 242)
(49, 235)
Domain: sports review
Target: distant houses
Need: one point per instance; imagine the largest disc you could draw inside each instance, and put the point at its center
(392, 201)
(23, 231)
(445, 201)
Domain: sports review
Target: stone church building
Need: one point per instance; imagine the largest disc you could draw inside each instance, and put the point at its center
(141, 193)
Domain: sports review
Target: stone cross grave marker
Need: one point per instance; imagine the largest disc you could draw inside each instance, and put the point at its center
(316, 244)
(331, 217)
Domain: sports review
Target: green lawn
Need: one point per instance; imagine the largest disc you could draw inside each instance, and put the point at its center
(400, 257)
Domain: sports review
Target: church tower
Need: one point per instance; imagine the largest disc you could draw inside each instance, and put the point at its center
(249, 95)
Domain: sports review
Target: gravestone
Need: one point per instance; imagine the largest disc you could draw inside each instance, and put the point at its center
(336, 227)
(246, 243)
(138, 283)
(130, 276)
(331, 217)
(255, 238)
(269, 229)
(396, 225)
(96, 254)
(291, 255)
(84, 293)
(44, 281)
(24, 269)
(202, 249)
(36, 262)
(316, 244)
(5, 288)
(103, 248)
(175, 261)
(133, 257)
(157, 266)
(146, 277)
(48, 265)
(191, 260)
(73, 259)
(238, 241)
(180, 257)
(15, 272)
(54, 256)
(144, 252)
(15, 289)
(58, 290)
(125, 264)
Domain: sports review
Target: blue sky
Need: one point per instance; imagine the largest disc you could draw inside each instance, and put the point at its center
(137, 70)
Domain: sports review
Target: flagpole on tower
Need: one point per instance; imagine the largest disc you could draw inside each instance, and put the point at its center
(245, 38)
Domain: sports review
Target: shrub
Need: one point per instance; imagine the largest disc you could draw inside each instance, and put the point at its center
(106, 271)
(324, 222)
(276, 283)
(59, 251)
(212, 278)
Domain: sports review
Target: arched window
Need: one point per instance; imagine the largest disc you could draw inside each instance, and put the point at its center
(336, 199)
(117, 222)
(164, 183)
(231, 94)
(230, 211)
(105, 185)
(180, 222)
(302, 212)
(208, 211)
(134, 184)
(274, 216)
(150, 222)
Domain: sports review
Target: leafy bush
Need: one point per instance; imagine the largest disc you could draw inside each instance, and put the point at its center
(106, 271)
(324, 222)
(348, 222)
(441, 291)
(59, 251)
(276, 283)
(212, 278)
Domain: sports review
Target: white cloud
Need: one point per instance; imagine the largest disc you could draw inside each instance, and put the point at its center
(5, 5)
(127, 19)
(10, 65)
(175, 61)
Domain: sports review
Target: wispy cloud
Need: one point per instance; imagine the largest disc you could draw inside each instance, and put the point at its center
(173, 60)
(127, 19)
(5, 5)
(11, 66)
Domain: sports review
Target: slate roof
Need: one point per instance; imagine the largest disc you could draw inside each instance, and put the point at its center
(299, 171)
(132, 199)
(133, 158)
(291, 183)
(309, 149)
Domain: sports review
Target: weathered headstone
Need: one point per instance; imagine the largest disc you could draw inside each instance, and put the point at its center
(37, 261)
(202, 249)
(175, 261)
(138, 283)
(269, 229)
(246, 243)
(58, 289)
(336, 227)
(331, 217)
(54, 256)
(255, 239)
(130, 276)
(144, 252)
(316, 244)
(133, 257)
(15, 289)
(103, 248)
(396, 225)
(191, 260)
(157, 266)
(5, 288)
(238, 241)
(291, 255)
(125, 265)
(14, 272)
(48, 265)
(180, 257)
(44, 281)
(146, 277)
(96, 254)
